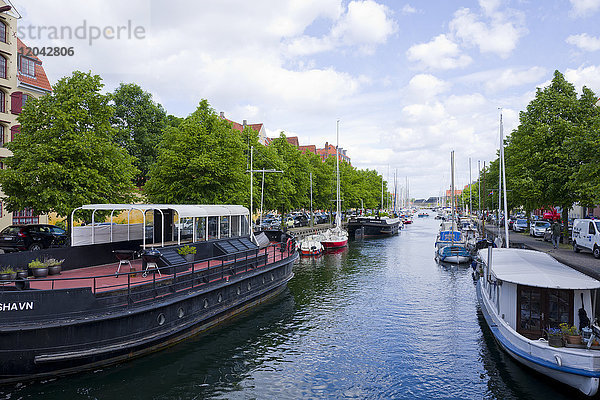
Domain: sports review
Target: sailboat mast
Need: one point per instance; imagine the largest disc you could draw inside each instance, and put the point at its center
(337, 158)
(452, 194)
(504, 180)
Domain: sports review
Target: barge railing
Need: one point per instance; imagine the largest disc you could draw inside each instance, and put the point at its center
(201, 273)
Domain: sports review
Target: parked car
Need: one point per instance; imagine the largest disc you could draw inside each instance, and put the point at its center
(538, 228)
(520, 225)
(32, 237)
(586, 235)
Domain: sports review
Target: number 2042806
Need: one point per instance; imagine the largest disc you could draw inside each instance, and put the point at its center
(47, 51)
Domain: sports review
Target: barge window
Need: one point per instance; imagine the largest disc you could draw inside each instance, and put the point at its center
(201, 229)
(186, 228)
(213, 226)
(245, 226)
(558, 307)
(235, 225)
(541, 308)
(224, 226)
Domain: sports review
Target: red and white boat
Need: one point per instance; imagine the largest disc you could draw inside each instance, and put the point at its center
(334, 238)
(310, 246)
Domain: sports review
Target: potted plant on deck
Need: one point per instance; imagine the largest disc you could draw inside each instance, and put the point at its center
(570, 333)
(54, 266)
(555, 337)
(188, 252)
(7, 274)
(38, 269)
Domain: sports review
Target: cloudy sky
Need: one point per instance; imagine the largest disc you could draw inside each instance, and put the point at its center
(409, 81)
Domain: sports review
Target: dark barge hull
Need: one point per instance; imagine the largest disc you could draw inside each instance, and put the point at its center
(371, 228)
(86, 336)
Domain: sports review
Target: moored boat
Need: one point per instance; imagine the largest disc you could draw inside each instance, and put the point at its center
(524, 296)
(373, 226)
(310, 246)
(101, 311)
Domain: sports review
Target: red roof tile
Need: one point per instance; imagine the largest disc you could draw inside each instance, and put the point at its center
(41, 80)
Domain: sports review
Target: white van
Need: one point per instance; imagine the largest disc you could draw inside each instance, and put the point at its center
(586, 235)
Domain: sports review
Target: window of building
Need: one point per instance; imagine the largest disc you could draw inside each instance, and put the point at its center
(2, 32)
(2, 67)
(27, 66)
(2, 140)
(25, 217)
(2, 101)
(24, 99)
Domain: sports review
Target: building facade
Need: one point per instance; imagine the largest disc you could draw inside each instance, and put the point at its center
(22, 77)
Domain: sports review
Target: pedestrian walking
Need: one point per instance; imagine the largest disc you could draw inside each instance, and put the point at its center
(555, 233)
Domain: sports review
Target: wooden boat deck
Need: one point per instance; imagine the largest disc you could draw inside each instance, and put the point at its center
(103, 278)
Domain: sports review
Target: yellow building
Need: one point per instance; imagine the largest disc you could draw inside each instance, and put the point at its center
(21, 77)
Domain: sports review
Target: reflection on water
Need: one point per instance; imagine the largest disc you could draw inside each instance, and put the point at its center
(379, 320)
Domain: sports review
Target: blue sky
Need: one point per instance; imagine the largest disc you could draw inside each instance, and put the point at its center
(409, 81)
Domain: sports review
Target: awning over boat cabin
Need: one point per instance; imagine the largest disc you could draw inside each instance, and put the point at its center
(537, 269)
(183, 210)
(175, 220)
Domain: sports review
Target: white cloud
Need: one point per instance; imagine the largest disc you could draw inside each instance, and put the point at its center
(408, 9)
(584, 76)
(513, 78)
(426, 114)
(585, 42)
(439, 53)
(424, 87)
(365, 25)
(584, 8)
(499, 36)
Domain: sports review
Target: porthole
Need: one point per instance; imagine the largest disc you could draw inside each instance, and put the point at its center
(264, 279)
(220, 298)
(180, 312)
(272, 277)
(249, 286)
(239, 290)
(160, 319)
(205, 303)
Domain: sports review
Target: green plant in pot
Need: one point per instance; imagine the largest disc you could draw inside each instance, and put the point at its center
(555, 337)
(7, 274)
(188, 252)
(54, 266)
(38, 269)
(570, 333)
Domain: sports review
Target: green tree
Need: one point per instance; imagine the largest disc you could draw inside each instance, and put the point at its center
(139, 122)
(65, 155)
(540, 156)
(200, 161)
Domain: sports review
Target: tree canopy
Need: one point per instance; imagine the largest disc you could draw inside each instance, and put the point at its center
(65, 155)
(139, 124)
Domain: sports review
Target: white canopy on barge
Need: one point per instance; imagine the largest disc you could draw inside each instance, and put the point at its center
(537, 269)
(161, 223)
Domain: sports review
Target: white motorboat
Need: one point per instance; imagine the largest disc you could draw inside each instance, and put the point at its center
(523, 294)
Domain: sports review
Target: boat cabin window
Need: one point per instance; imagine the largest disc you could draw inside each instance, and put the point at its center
(224, 226)
(235, 225)
(201, 229)
(542, 308)
(213, 227)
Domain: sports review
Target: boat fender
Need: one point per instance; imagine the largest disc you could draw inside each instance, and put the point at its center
(558, 360)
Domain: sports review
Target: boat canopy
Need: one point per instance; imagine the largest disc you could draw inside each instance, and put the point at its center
(447, 236)
(537, 269)
(195, 220)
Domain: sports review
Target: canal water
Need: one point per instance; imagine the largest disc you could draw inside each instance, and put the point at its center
(378, 320)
